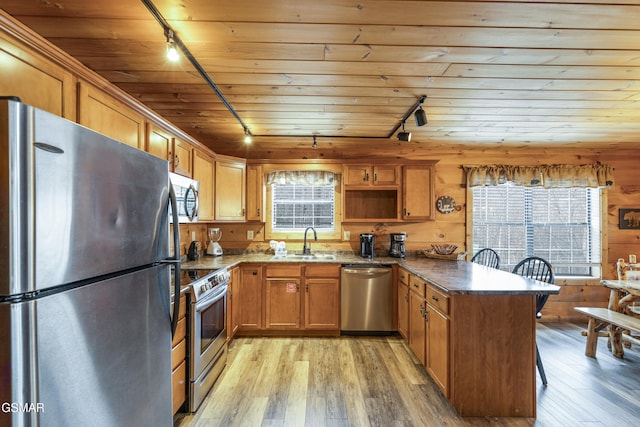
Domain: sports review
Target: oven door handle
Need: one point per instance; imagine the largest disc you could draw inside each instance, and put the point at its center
(220, 292)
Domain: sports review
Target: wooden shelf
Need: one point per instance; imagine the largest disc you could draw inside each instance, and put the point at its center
(371, 205)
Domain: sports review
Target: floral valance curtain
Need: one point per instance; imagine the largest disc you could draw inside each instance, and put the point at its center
(548, 176)
(302, 177)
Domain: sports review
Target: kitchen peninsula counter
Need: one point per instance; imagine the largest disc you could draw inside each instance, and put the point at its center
(479, 327)
(452, 277)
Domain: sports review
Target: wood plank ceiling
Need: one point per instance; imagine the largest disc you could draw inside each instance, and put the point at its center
(503, 73)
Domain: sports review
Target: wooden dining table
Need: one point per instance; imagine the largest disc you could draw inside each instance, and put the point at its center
(622, 295)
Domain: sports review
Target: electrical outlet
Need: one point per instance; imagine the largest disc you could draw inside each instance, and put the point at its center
(249, 234)
(347, 235)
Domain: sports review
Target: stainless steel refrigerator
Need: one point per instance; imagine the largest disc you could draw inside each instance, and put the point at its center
(85, 277)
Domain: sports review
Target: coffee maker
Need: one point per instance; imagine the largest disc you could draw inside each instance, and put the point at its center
(397, 245)
(367, 243)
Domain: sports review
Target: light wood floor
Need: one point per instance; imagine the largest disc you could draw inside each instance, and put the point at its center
(376, 381)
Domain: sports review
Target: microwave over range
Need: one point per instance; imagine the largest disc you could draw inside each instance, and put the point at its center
(186, 190)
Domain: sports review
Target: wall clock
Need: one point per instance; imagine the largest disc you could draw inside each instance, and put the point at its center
(445, 204)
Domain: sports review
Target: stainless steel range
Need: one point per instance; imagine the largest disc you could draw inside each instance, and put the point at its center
(208, 333)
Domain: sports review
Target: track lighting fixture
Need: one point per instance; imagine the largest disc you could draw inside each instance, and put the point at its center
(315, 143)
(172, 51)
(421, 117)
(247, 136)
(404, 136)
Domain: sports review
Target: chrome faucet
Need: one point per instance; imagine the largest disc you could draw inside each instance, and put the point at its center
(307, 250)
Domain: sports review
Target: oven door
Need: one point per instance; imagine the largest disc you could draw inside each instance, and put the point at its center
(209, 332)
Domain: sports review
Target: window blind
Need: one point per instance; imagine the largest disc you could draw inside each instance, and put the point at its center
(561, 225)
(296, 207)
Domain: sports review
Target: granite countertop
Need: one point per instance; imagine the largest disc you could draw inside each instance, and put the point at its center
(453, 277)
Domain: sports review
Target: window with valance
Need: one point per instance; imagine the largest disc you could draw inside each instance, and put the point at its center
(299, 199)
(550, 211)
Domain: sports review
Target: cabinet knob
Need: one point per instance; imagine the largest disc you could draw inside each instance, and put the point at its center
(435, 298)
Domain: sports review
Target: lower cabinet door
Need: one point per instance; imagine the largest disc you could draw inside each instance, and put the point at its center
(438, 348)
(179, 381)
(417, 325)
(282, 304)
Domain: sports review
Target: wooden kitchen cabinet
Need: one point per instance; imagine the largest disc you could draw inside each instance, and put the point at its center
(322, 297)
(178, 357)
(158, 142)
(103, 113)
(203, 172)
(250, 291)
(181, 158)
(35, 80)
(230, 184)
(282, 296)
(437, 341)
(255, 193)
(370, 175)
(417, 325)
(233, 303)
(403, 303)
(370, 205)
(417, 192)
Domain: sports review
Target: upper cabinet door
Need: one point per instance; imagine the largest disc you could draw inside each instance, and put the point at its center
(36, 81)
(158, 142)
(255, 193)
(417, 192)
(365, 175)
(104, 114)
(182, 158)
(230, 191)
(203, 172)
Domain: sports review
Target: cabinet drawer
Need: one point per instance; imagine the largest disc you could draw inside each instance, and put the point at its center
(178, 353)
(417, 285)
(179, 385)
(181, 331)
(322, 270)
(183, 307)
(438, 299)
(403, 276)
(284, 270)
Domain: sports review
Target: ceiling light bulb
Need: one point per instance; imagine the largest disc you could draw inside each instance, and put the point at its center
(315, 144)
(172, 52)
(247, 136)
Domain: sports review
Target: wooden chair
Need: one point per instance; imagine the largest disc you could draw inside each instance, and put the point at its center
(539, 269)
(487, 257)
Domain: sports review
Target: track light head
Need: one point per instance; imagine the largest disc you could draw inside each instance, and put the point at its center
(404, 136)
(421, 117)
(247, 136)
(315, 143)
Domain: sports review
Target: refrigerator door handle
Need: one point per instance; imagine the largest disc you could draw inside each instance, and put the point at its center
(176, 260)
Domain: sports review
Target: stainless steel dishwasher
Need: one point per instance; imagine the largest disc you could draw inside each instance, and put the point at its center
(366, 299)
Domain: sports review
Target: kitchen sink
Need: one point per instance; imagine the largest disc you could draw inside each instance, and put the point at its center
(311, 257)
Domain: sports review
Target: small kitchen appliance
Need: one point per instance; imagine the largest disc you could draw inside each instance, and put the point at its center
(367, 243)
(214, 247)
(397, 248)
